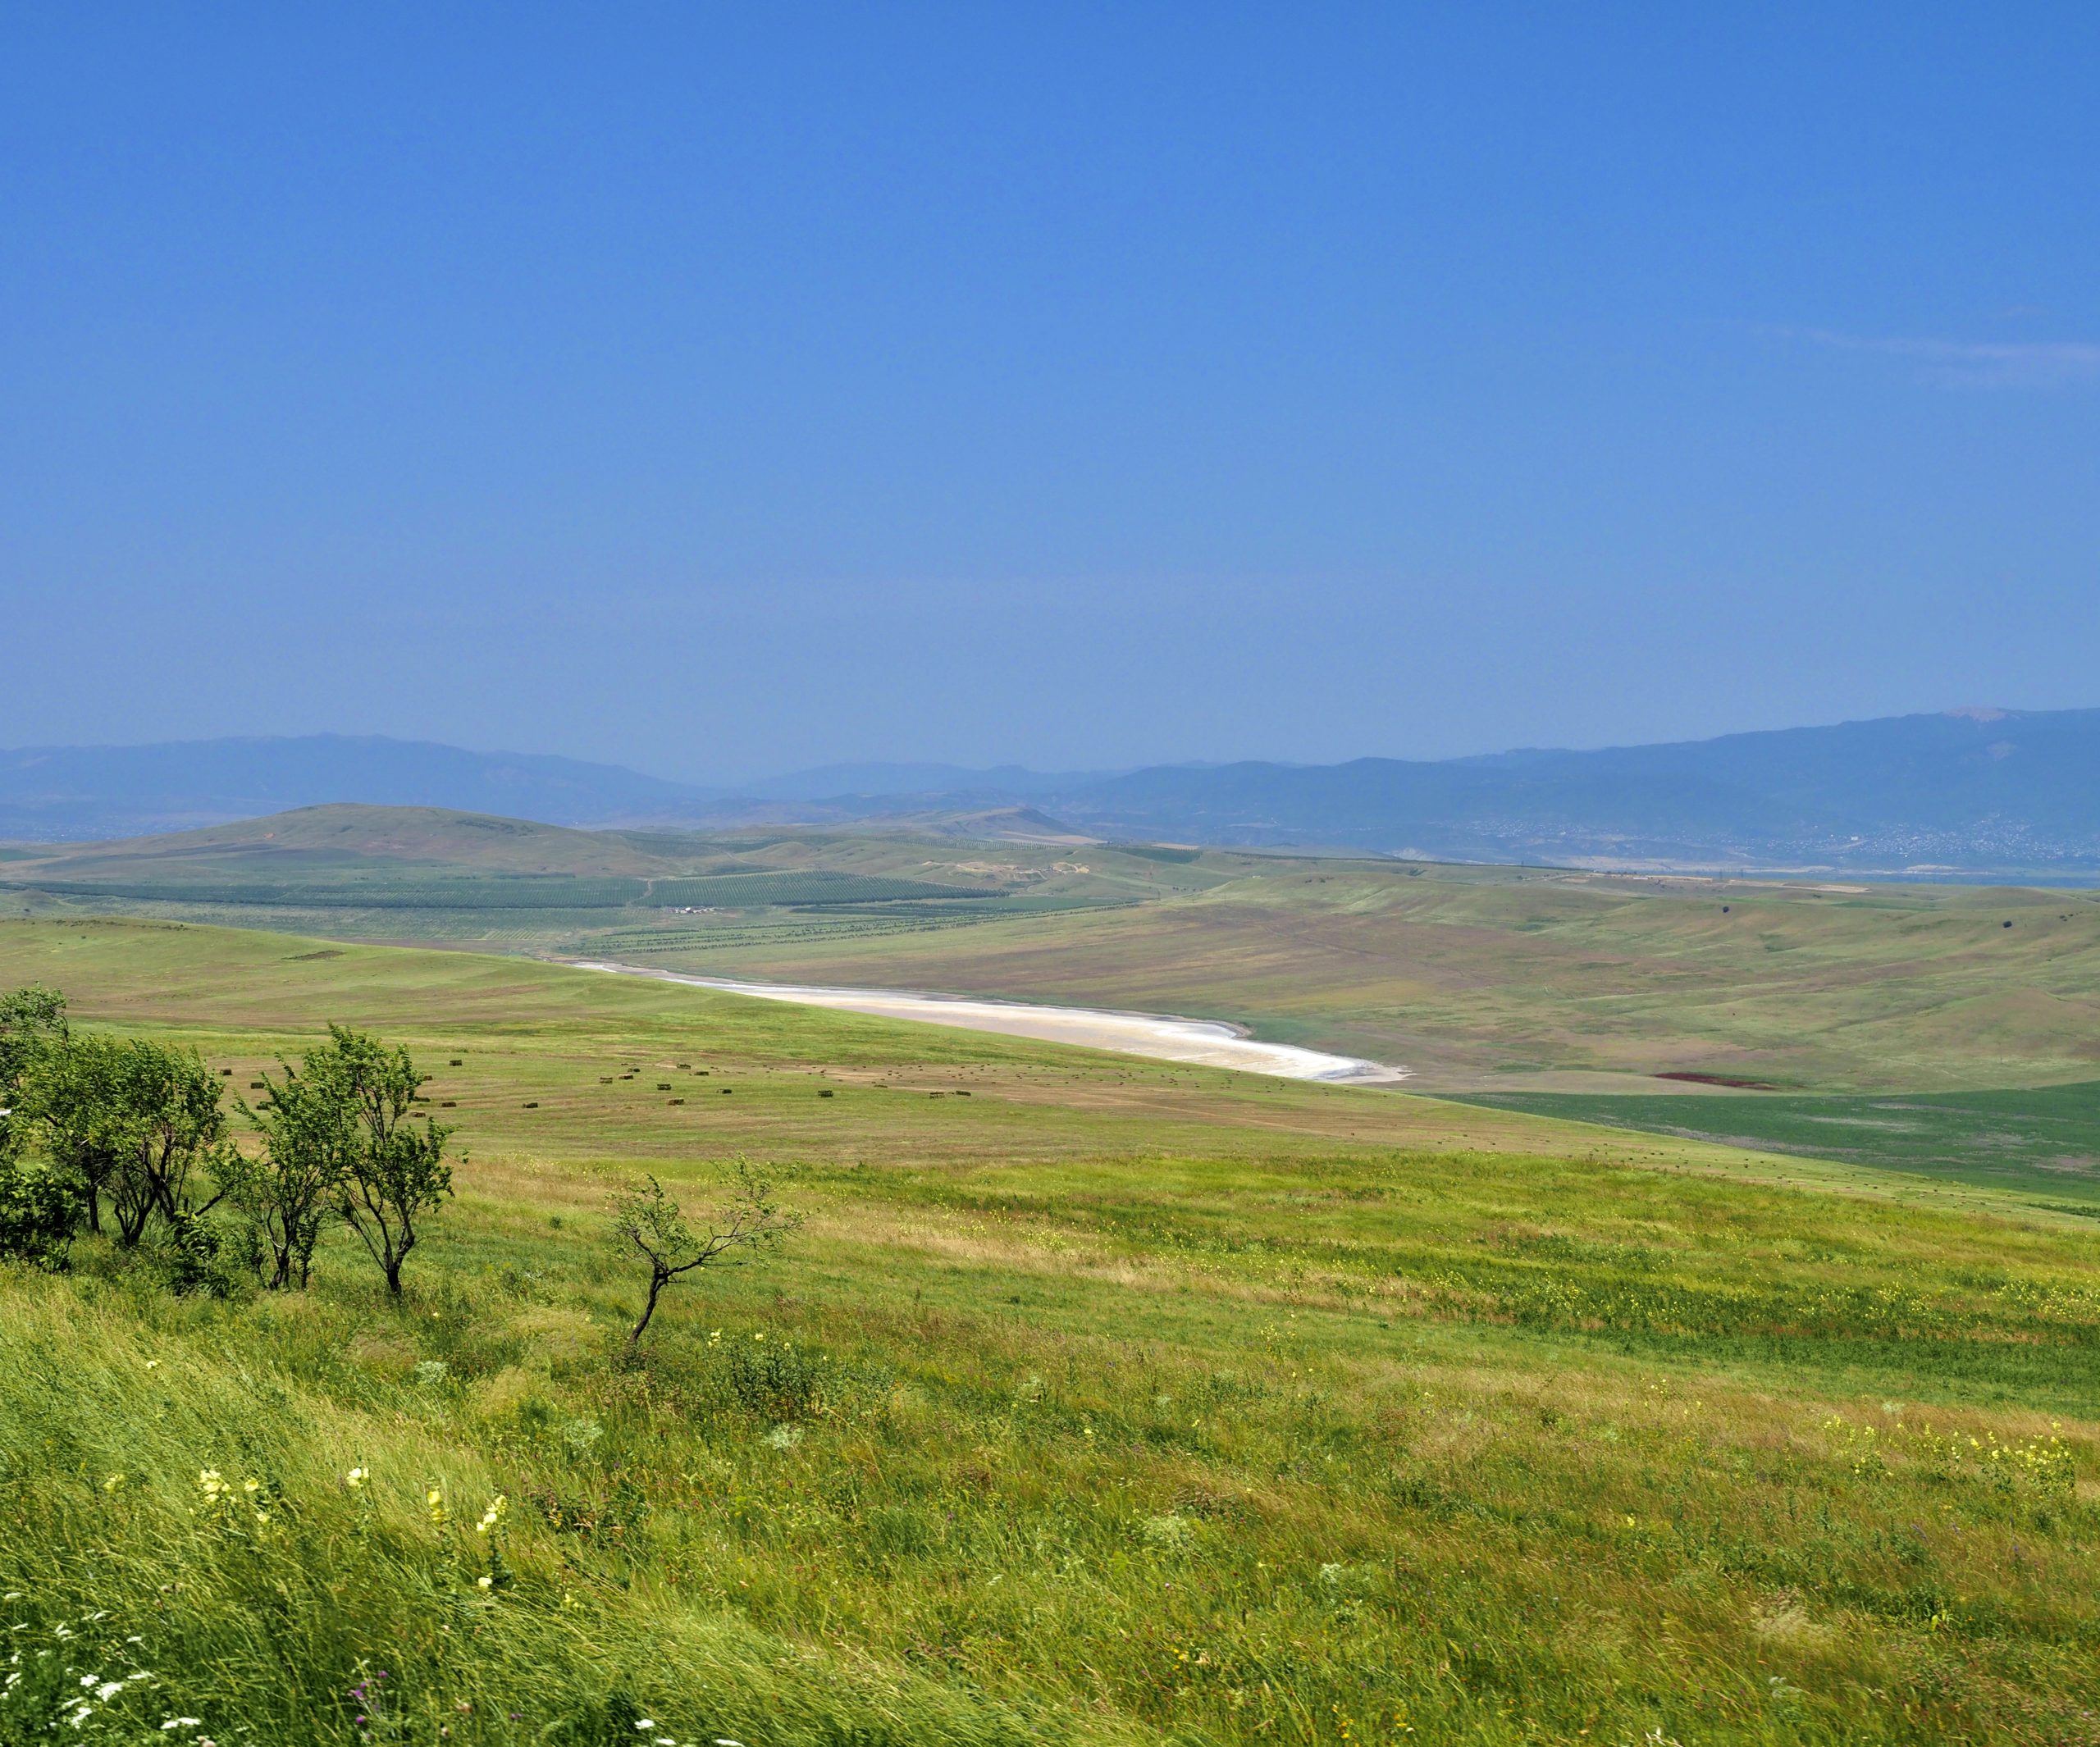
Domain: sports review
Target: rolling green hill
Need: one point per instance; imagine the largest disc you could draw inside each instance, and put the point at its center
(427, 875)
(1509, 979)
(320, 842)
(527, 891)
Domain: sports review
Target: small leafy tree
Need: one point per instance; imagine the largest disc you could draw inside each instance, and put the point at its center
(72, 1094)
(393, 1169)
(131, 1120)
(310, 1130)
(647, 1224)
(174, 1122)
(40, 1206)
(31, 1019)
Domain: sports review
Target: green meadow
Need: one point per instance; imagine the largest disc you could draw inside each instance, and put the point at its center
(2041, 1142)
(1098, 1400)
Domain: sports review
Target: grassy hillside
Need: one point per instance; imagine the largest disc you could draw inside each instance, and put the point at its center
(322, 847)
(566, 1035)
(1112, 1402)
(422, 874)
(1492, 979)
(1531, 987)
(324, 841)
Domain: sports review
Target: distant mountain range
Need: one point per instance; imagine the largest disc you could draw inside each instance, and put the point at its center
(1001, 786)
(1968, 792)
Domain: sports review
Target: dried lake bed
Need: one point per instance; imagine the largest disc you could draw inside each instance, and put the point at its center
(1163, 1037)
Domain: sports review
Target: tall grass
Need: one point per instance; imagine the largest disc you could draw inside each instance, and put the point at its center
(959, 1479)
(294, 1565)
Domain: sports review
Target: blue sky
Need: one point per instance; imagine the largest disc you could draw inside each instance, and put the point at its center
(717, 390)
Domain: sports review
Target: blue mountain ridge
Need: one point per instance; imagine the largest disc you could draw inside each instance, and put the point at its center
(1970, 790)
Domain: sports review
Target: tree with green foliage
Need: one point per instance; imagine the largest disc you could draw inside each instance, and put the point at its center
(39, 1212)
(132, 1120)
(647, 1223)
(310, 1137)
(71, 1095)
(393, 1168)
(172, 1112)
(31, 1019)
(40, 1208)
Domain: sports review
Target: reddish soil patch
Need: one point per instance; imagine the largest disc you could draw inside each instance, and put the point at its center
(1721, 1079)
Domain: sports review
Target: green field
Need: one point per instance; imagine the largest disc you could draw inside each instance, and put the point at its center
(1100, 1400)
(2041, 1141)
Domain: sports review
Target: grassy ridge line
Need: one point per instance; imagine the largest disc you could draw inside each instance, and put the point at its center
(318, 845)
(387, 890)
(561, 934)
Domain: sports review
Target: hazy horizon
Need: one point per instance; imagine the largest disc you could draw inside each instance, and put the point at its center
(761, 775)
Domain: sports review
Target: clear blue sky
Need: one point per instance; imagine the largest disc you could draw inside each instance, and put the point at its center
(719, 390)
